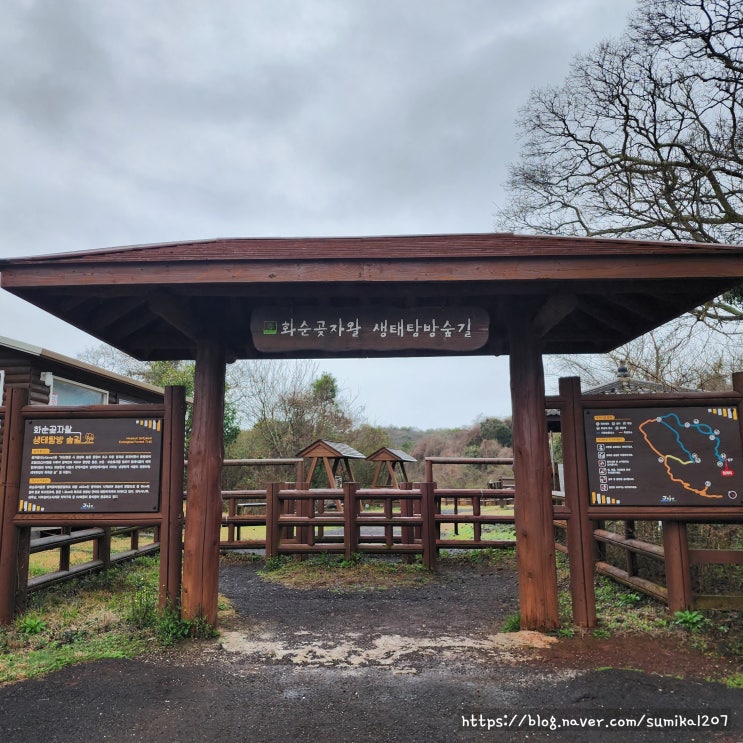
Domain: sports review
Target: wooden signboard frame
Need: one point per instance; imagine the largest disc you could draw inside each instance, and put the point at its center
(651, 403)
(582, 517)
(167, 518)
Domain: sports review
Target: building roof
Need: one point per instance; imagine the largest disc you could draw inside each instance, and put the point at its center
(624, 384)
(77, 367)
(583, 294)
(390, 455)
(332, 449)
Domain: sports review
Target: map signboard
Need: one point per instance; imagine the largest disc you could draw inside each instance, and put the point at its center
(689, 456)
(109, 465)
(325, 329)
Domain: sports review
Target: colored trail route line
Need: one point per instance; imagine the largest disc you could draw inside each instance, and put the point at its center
(673, 423)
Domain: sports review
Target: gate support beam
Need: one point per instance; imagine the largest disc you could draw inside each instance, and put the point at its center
(204, 492)
(535, 542)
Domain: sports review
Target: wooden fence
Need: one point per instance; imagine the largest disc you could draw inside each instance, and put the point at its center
(469, 506)
(677, 590)
(374, 520)
(318, 509)
(142, 541)
(247, 508)
(418, 518)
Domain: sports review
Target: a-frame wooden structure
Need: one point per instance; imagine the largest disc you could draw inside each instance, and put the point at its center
(388, 462)
(334, 456)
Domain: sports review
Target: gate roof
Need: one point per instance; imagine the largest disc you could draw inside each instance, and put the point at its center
(583, 294)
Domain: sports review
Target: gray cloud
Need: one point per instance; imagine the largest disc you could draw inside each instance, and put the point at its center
(127, 122)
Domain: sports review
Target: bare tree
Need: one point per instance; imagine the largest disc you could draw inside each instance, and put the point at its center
(644, 138)
(110, 358)
(680, 355)
(288, 404)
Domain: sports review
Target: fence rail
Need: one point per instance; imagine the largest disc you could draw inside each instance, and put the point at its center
(303, 521)
(374, 520)
(247, 507)
(103, 557)
(677, 593)
(474, 500)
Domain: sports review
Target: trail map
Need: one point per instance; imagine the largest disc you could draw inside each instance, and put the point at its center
(653, 456)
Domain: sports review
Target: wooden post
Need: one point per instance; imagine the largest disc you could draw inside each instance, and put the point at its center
(102, 547)
(678, 578)
(406, 509)
(350, 513)
(171, 529)
(580, 529)
(631, 557)
(204, 497)
(273, 509)
(428, 532)
(535, 543)
(10, 480)
(65, 552)
(22, 564)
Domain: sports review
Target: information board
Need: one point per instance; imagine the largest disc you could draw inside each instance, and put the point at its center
(109, 465)
(324, 329)
(690, 456)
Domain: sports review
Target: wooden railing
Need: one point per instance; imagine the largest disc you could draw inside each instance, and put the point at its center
(448, 511)
(142, 541)
(380, 520)
(375, 520)
(677, 591)
(247, 508)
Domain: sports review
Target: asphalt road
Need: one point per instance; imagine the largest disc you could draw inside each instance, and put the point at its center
(416, 665)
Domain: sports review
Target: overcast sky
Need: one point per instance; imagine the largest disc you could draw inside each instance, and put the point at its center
(127, 122)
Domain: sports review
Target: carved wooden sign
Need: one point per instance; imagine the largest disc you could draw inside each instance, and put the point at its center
(286, 328)
(91, 465)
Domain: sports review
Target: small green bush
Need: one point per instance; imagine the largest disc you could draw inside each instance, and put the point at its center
(512, 623)
(690, 619)
(141, 612)
(31, 624)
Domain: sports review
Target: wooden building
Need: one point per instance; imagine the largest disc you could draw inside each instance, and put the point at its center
(54, 379)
